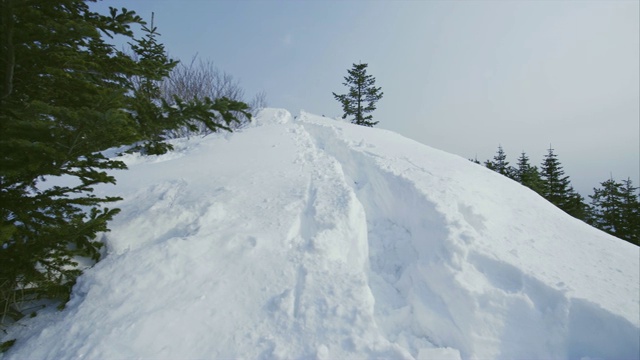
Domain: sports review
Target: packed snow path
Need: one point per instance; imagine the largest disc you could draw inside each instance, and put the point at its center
(312, 238)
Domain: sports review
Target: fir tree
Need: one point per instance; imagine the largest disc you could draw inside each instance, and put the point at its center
(630, 204)
(616, 209)
(500, 164)
(62, 91)
(558, 190)
(153, 65)
(606, 207)
(528, 175)
(65, 95)
(555, 184)
(154, 115)
(362, 96)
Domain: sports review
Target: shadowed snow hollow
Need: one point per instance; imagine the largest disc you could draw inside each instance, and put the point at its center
(312, 238)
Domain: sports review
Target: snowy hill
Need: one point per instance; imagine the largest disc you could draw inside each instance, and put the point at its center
(312, 238)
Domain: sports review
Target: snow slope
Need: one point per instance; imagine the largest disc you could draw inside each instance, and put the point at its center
(312, 238)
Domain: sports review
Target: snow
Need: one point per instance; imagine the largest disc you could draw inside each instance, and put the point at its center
(312, 238)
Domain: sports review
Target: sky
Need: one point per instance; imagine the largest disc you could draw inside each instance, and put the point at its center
(460, 76)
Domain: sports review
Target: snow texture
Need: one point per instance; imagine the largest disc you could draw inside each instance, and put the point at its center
(312, 238)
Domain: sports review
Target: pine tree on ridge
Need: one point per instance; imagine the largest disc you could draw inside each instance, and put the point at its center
(362, 96)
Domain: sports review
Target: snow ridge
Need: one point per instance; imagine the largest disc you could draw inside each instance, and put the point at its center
(421, 265)
(321, 239)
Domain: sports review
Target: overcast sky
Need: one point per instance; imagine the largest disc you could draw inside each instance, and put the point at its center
(461, 76)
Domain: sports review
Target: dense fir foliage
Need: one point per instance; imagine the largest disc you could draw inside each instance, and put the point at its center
(362, 96)
(500, 164)
(66, 94)
(630, 212)
(200, 79)
(154, 115)
(557, 188)
(614, 208)
(58, 108)
(528, 175)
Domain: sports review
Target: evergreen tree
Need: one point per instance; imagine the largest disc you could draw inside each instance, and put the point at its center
(606, 207)
(630, 205)
(616, 209)
(558, 190)
(362, 96)
(62, 88)
(528, 175)
(154, 115)
(153, 65)
(555, 184)
(197, 80)
(65, 95)
(500, 164)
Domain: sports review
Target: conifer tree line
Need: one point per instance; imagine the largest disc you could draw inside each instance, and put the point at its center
(614, 207)
(66, 94)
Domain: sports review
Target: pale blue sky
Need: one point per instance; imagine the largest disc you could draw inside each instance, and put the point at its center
(461, 76)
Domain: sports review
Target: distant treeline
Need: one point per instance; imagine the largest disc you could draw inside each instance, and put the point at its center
(614, 206)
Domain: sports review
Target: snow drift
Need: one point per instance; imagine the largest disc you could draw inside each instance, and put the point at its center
(312, 238)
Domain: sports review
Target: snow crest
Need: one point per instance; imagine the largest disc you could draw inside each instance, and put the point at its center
(312, 238)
